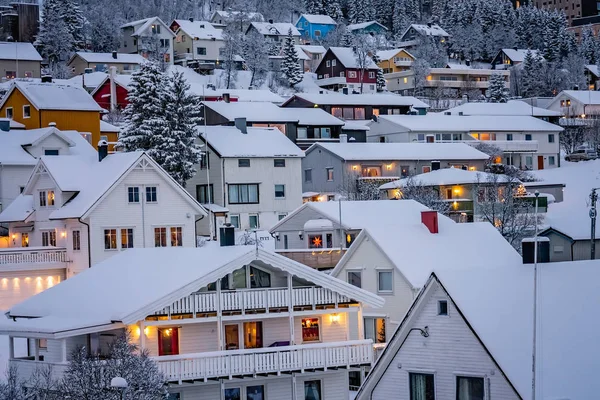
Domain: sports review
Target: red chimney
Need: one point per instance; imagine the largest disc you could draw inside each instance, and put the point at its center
(430, 220)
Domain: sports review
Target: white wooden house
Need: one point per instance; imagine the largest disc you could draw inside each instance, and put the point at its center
(228, 323)
(149, 37)
(75, 212)
(469, 335)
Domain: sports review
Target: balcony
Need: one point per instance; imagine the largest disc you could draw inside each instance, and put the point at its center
(32, 258)
(315, 258)
(515, 146)
(241, 301)
(265, 361)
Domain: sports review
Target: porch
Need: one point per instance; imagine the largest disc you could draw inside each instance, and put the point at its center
(266, 361)
(32, 258)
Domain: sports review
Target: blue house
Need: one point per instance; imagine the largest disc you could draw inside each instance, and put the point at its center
(315, 27)
(371, 27)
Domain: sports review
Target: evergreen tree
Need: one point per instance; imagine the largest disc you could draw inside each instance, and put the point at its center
(144, 115)
(334, 10)
(497, 92)
(177, 151)
(400, 19)
(231, 49)
(346, 40)
(353, 11)
(54, 41)
(381, 83)
(314, 7)
(290, 65)
(73, 17)
(588, 45)
(554, 36)
(530, 75)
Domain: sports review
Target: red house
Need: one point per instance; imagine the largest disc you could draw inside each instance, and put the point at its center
(339, 70)
(102, 92)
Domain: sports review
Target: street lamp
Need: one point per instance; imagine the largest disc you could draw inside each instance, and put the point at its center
(120, 384)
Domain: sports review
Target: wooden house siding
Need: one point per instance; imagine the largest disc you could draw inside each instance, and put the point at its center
(295, 224)
(16, 101)
(318, 160)
(34, 67)
(452, 349)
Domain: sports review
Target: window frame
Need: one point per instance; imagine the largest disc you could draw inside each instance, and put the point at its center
(440, 311)
(354, 271)
(76, 240)
(203, 190)
(252, 215)
(320, 333)
(160, 239)
(148, 192)
(130, 238)
(178, 231)
(320, 386)
(276, 191)
(237, 217)
(329, 171)
(28, 107)
(373, 321)
(108, 236)
(457, 378)
(132, 192)
(415, 372)
(50, 239)
(280, 161)
(551, 138)
(243, 161)
(379, 272)
(309, 170)
(12, 112)
(176, 336)
(240, 185)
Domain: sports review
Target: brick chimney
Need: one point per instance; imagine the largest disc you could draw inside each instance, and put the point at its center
(430, 220)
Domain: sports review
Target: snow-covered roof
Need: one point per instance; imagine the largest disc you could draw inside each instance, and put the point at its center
(107, 58)
(401, 151)
(593, 68)
(229, 142)
(518, 55)
(18, 210)
(276, 28)
(470, 123)
(356, 125)
(107, 127)
(313, 49)
(429, 30)
(318, 19)
(142, 25)
(19, 50)
(366, 99)
(388, 54)
(362, 25)
(199, 29)
(589, 97)
(13, 124)
(131, 285)
(497, 303)
(347, 57)
(243, 95)
(511, 107)
(447, 176)
(300, 53)
(252, 111)
(91, 80)
(55, 96)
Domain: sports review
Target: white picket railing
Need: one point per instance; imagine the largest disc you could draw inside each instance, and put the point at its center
(253, 299)
(32, 255)
(227, 364)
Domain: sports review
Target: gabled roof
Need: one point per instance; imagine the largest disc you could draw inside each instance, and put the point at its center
(365, 99)
(362, 25)
(470, 123)
(512, 107)
(122, 80)
(400, 151)
(348, 58)
(300, 53)
(587, 97)
(107, 58)
(243, 95)
(518, 55)
(276, 28)
(592, 68)
(230, 142)
(18, 210)
(413, 259)
(317, 19)
(385, 55)
(428, 30)
(54, 96)
(19, 50)
(448, 176)
(107, 127)
(142, 25)
(313, 49)
(133, 284)
(199, 29)
(89, 81)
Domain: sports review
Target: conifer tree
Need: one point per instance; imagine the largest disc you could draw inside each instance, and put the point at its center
(314, 7)
(334, 10)
(497, 92)
(381, 83)
(588, 45)
(54, 41)
(530, 75)
(73, 17)
(290, 65)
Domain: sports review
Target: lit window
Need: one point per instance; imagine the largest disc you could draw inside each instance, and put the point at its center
(315, 241)
(49, 238)
(168, 341)
(176, 236)
(24, 239)
(127, 238)
(385, 281)
(133, 194)
(110, 239)
(310, 330)
(375, 329)
(160, 237)
(50, 197)
(151, 196)
(329, 174)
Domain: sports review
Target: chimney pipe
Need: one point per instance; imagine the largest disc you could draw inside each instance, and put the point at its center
(430, 220)
(240, 123)
(102, 149)
(52, 124)
(343, 138)
(47, 79)
(270, 21)
(113, 88)
(114, 55)
(191, 19)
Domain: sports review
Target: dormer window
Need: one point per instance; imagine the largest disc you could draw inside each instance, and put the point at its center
(46, 198)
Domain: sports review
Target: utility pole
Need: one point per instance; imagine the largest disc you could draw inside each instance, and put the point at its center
(535, 279)
(593, 214)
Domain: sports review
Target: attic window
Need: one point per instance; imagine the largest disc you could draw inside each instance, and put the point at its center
(442, 307)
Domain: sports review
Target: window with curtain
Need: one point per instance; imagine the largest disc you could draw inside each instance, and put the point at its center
(469, 388)
(243, 194)
(421, 386)
(312, 390)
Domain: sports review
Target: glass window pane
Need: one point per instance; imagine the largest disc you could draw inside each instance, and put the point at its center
(243, 193)
(385, 281)
(253, 193)
(359, 113)
(469, 388)
(369, 329)
(302, 133)
(233, 194)
(312, 390)
(310, 330)
(421, 386)
(239, 278)
(348, 113)
(255, 392)
(259, 278)
(355, 278)
(233, 394)
(326, 133)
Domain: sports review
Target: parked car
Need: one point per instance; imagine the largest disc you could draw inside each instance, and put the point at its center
(582, 155)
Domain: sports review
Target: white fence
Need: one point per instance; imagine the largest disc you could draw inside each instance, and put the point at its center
(227, 364)
(33, 255)
(252, 299)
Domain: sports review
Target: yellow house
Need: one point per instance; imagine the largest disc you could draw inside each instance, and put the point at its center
(37, 105)
(395, 60)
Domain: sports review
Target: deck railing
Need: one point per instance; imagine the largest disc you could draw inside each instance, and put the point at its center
(33, 255)
(270, 360)
(253, 299)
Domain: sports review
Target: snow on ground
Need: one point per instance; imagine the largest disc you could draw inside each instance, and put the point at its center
(572, 213)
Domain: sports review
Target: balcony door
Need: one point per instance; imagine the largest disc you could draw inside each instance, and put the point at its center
(246, 335)
(168, 341)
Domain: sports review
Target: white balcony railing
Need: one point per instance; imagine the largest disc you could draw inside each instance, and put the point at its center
(32, 255)
(511, 146)
(253, 299)
(235, 363)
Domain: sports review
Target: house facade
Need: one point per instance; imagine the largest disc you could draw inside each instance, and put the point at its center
(37, 105)
(315, 27)
(274, 32)
(102, 62)
(315, 54)
(367, 28)
(416, 32)
(234, 322)
(575, 104)
(526, 142)
(339, 70)
(197, 44)
(395, 60)
(241, 19)
(253, 174)
(507, 58)
(103, 93)
(64, 222)
(19, 60)
(150, 38)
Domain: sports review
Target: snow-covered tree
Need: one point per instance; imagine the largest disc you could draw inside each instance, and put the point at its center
(55, 42)
(231, 49)
(178, 152)
(290, 65)
(102, 28)
(413, 189)
(73, 17)
(381, 83)
(421, 70)
(314, 7)
(530, 77)
(497, 92)
(588, 47)
(255, 51)
(363, 48)
(334, 10)
(12, 388)
(144, 115)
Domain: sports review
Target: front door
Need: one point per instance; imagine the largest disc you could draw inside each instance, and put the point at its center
(540, 162)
